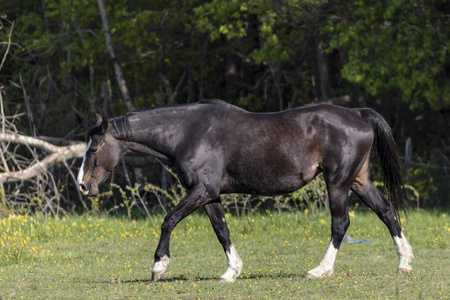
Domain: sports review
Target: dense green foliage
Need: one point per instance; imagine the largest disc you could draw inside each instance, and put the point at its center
(396, 45)
(82, 257)
(261, 55)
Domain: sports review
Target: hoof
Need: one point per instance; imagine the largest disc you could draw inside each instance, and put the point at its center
(158, 275)
(229, 276)
(404, 270)
(226, 280)
(311, 276)
(318, 274)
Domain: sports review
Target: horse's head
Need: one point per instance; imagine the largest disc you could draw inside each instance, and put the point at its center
(103, 154)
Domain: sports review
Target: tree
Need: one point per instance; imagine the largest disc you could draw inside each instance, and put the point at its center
(395, 45)
(117, 68)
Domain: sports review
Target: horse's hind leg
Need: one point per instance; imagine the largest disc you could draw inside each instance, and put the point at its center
(338, 199)
(216, 216)
(372, 197)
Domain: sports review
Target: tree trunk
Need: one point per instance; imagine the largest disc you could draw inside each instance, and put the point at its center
(322, 79)
(201, 88)
(118, 70)
(92, 106)
(408, 155)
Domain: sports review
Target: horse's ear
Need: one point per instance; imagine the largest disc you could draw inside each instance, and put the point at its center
(99, 119)
(104, 124)
(102, 121)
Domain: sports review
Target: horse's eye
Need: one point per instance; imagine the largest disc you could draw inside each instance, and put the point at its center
(95, 164)
(93, 150)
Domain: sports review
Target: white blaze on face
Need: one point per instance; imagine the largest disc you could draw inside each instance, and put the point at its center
(326, 266)
(81, 171)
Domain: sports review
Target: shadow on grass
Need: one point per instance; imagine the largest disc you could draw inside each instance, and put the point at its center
(183, 278)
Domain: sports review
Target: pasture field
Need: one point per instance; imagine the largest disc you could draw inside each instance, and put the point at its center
(95, 257)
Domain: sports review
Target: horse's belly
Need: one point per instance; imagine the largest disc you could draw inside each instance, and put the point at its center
(262, 183)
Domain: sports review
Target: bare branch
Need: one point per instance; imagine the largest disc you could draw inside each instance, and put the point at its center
(175, 92)
(59, 154)
(9, 45)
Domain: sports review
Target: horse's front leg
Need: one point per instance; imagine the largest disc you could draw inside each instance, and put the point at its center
(195, 198)
(217, 218)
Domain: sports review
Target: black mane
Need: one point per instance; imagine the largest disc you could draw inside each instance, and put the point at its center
(122, 126)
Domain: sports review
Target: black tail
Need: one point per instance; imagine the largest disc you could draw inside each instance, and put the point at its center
(390, 161)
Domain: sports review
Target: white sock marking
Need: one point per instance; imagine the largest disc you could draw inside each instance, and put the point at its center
(234, 266)
(326, 266)
(160, 267)
(81, 171)
(404, 251)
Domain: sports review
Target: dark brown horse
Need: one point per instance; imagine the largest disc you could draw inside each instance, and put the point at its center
(219, 148)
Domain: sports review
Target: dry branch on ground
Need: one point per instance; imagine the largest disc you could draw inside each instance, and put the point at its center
(56, 154)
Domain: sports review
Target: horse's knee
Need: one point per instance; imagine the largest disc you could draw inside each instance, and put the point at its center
(341, 223)
(168, 224)
(165, 226)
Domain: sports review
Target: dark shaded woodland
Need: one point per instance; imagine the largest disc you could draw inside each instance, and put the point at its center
(66, 60)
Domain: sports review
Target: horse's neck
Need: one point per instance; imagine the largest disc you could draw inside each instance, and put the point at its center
(150, 131)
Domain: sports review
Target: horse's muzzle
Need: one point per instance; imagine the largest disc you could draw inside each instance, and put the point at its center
(89, 189)
(84, 190)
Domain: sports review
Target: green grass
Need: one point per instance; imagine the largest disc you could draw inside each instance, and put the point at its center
(82, 257)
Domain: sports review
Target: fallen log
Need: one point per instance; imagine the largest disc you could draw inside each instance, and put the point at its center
(56, 154)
